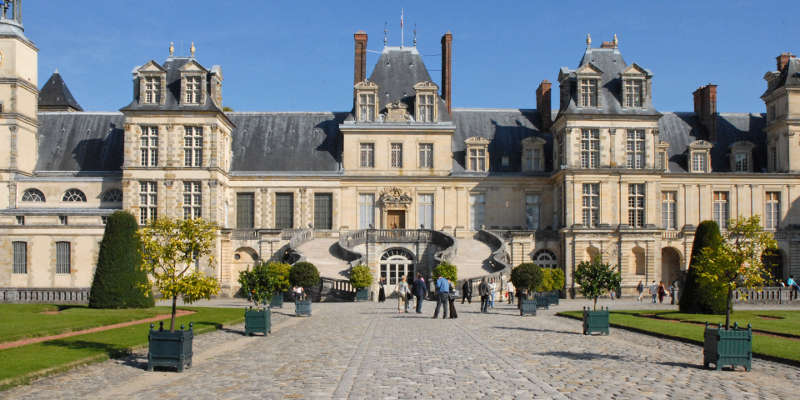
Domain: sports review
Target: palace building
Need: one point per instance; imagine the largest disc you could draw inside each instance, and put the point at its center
(400, 180)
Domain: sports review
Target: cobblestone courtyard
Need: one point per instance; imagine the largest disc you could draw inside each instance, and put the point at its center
(368, 351)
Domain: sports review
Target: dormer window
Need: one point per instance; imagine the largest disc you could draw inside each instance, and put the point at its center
(151, 80)
(533, 154)
(193, 84)
(152, 90)
(698, 156)
(662, 162)
(477, 154)
(635, 81)
(366, 101)
(588, 92)
(426, 101)
(367, 108)
(633, 93)
(742, 156)
(193, 89)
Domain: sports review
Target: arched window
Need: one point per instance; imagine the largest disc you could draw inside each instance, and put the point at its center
(394, 264)
(74, 195)
(638, 261)
(545, 259)
(33, 195)
(113, 196)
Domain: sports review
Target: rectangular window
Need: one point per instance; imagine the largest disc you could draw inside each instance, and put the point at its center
(591, 204)
(63, 258)
(193, 146)
(397, 155)
(636, 205)
(148, 202)
(20, 257)
(192, 200)
(476, 209)
(528, 160)
(721, 209)
(245, 206)
(590, 148)
(367, 107)
(774, 159)
(323, 211)
(741, 162)
(426, 155)
(367, 155)
(662, 160)
(668, 204)
(698, 162)
(366, 211)
(561, 149)
(426, 211)
(533, 209)
(152, 90)
(193, 90)
(284, 210)
(588, 92)
(477, 160)
(20, 220)
(633, 93)
(773, 210)
(538, 160)
(635, 149)
(149, 146)
(62, 220)
(425, 108)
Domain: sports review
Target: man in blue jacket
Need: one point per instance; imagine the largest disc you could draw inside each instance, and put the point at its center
(443, 296)
(418, 290)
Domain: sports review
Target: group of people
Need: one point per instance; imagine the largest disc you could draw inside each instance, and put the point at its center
(657, 290)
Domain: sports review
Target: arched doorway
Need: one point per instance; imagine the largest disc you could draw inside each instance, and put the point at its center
(670, 265)
(773, 263)
(394, 264)
(638, 262)
(243, 257)
(545, 259)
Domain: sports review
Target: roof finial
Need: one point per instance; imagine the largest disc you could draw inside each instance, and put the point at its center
(616, 42)
(56, 70)
(192, 49)
(588, 40)
(171, 49)
(384, 34)
(415, 35)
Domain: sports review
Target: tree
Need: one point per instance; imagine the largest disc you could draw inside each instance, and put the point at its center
(737, 261)
(527, 276)
(558, 278)
(118, 275)
(596, 278)
(360, 276)
(547, 281)
(259, 283)
(304, 274)
(446, 270)
(170, 249)
(280, 271)
(695, 299)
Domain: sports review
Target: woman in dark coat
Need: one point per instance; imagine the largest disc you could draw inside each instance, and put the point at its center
(382, 293)
(452, 300)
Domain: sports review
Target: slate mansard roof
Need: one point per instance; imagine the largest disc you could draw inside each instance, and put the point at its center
(80, 141)
(55, 96)
(172, 101)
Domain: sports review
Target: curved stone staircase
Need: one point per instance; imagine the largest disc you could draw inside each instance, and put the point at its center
(320, 252)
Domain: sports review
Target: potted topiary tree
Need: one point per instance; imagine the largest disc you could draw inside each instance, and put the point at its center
(172, 250)
(303, 274)
(542, 296)
(527, 276)
(258, 285)
(596, 278)
(557, 275)
(361, 278)
(447, 271)
(280, 272)
(735, 263)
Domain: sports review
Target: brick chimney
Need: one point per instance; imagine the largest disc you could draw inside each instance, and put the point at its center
(447, 69)
(543, 104)
(783, 59)
(705, 107)
(361, 57)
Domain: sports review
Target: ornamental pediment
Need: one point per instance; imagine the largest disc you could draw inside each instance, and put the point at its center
(744, 144)
(533, 141)
(366, 85)
(589, 69)
(397, 111)
(395, 197)
(426, 86)
(152, 66)
(193, 66)
(634, 70)
(700, 144)
(477, 140)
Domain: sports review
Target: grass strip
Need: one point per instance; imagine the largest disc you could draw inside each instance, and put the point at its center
(23, 364)
(783, 350)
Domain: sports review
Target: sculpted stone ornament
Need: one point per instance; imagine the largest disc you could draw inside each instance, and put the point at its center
(396, 197)
(396, 111)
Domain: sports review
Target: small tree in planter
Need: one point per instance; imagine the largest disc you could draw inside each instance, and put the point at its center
(596, 278)
(280, 273)
(447, 271)
(170, 250)
(259, 285)
(303, 274)
(558, 283)
(527, 276)
(361, 278)
(543, 297)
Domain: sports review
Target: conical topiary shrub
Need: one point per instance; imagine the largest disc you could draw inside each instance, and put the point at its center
(118, 277)
(693, 298)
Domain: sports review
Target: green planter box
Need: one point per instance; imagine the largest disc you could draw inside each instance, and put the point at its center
(528, 307)
(170, 349)
(277, 301)
(302, 307)
(362, 294)
(257, 321)
(595, 321)
(553, 299)
(543, 302)
(733, 347)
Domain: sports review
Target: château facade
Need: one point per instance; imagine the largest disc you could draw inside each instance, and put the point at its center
(603, 173)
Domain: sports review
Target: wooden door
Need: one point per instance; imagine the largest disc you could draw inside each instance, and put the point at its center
(396, 219)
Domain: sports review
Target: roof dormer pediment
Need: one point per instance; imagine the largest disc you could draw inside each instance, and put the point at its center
(533, 141)
(366, 85)
(589, 69)
(477, 141)
(192, 66)
(635, 70)
(700, 144)
(743, 144)
(426, 86)
(152, 66)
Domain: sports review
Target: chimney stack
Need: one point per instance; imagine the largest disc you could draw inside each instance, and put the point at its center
(783, 59)
(447, 48)
(361, 57)
(543, 97)
(705, 107)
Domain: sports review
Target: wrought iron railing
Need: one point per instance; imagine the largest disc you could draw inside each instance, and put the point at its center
(45, 295)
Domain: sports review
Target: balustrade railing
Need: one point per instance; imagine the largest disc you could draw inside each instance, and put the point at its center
(771, 294)
(298, 238)
(349, 240)
(671, 234)
(45, 295)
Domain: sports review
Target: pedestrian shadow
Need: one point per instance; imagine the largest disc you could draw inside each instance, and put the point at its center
(682, 365)
(537, 330)
(113, 351)
(591, 356)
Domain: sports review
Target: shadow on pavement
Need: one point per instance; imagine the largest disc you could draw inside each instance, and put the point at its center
(537, 330)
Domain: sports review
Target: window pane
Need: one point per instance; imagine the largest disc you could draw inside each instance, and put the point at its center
(245, 205)
(284, 210)
(63, 257)
(20, 258)
(323, 217)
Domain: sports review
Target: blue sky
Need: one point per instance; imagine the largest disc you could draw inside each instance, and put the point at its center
(298, 55)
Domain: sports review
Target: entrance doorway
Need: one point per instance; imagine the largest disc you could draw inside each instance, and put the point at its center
(396, 263)
(670, 265)
(396, 219)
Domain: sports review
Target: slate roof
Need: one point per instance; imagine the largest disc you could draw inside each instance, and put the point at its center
(55, 96)
(172, 101)
(80, 141)
(789, 75)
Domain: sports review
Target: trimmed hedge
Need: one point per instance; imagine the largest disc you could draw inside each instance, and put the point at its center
(694, 298)
(304, 274)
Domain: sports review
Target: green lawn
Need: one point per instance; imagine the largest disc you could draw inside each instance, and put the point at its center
(783, 349)
(21, 364)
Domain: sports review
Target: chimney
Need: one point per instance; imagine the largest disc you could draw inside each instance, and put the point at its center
(543, 104)
(705, 107)
(783, 59)
(447, 48)
(361, 57)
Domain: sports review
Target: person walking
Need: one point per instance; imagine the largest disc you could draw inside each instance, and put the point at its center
(442, 297)
(510, 291)
(453, 295)
(419, 289)
(298, 293)
(661, 292)
(402, 294)
(792, 284)
(640, 289)
(466, 291)
(382, 293)
(654, 290)
(483, 291)
(671, 294)
(492, 289)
